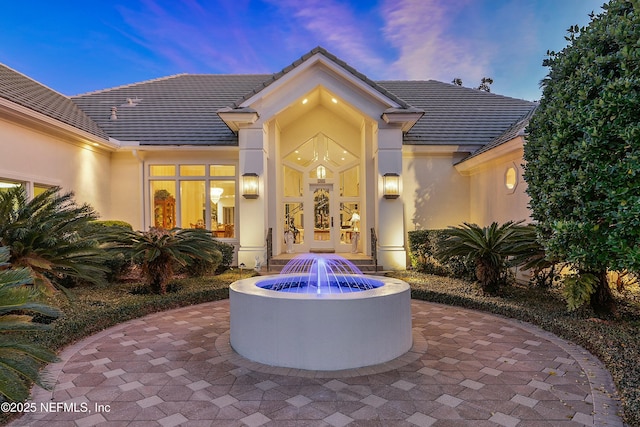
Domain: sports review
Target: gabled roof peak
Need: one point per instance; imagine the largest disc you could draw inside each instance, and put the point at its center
(331, 57)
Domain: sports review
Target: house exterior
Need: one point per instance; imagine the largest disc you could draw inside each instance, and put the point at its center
(318, 153)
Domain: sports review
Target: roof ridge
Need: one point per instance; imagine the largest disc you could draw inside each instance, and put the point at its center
(158, 79)
(468, 89)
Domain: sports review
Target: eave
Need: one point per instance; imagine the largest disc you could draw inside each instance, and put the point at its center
(34, 120)
(236, 117)
(405, 117)
(482, 161)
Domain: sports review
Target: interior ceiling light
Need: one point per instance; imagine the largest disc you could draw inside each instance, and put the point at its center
(335, 101)
(215, 194)
(304, 101)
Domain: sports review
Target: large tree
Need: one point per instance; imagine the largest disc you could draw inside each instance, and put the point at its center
(583, 152)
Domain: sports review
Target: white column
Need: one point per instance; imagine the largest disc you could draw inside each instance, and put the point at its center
(252, 212)
(390, 226)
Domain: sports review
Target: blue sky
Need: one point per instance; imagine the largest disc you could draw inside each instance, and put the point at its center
(78, 46)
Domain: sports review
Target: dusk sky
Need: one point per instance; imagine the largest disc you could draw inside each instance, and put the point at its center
(78, 46)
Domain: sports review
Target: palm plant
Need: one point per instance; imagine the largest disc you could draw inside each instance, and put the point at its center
(49, 235)
(19, 360)
(490, 248)
(160, 251)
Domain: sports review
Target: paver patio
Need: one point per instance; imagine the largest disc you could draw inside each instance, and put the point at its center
(466, 368)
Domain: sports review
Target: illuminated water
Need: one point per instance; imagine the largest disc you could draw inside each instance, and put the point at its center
(320, 274)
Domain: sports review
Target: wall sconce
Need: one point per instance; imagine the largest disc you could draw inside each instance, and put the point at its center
(391, 185)
(250, 186)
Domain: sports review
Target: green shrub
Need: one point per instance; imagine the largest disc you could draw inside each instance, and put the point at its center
(492, 249)
(227, 256)
(52, 236)
(113, 223)
(201, 267)
(117, 263)
(423, 244)
(19, 359)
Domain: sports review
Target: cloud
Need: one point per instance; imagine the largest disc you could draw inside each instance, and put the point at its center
(193, 38)
(335, 26)
(428, 44)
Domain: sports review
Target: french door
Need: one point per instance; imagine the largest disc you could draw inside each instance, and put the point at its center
(322, 222)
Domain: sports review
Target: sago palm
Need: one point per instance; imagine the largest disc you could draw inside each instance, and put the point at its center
(19, 360)
(160, 251)
(50, 235)
(488, 247)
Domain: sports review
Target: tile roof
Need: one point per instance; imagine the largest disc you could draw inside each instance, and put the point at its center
(456, 115)
(24, 91)
(175, 110)
(517, 129)
(181, 109)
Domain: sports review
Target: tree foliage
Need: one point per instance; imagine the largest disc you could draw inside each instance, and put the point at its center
(492, 249)
(583, 150)
(159, 252)
(19, 361)
(51, 236)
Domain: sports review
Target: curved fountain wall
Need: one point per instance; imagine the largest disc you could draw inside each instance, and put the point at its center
(316, 330)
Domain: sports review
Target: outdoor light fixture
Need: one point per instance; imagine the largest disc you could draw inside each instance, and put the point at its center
(215, 194)
(321, 172)
(391, 185)
(250, 186)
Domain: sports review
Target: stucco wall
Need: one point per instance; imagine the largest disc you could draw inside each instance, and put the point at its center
(435, 195)
(126, 189)
(33, 156)
(491, 200)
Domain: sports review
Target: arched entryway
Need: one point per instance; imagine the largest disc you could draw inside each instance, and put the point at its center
(322, 196)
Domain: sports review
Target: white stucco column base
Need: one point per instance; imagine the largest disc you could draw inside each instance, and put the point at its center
(247, 256)
(392, 258)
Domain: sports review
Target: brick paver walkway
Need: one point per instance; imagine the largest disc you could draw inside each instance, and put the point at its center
(466, 368)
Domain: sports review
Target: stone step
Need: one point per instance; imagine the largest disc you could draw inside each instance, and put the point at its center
(365, 264)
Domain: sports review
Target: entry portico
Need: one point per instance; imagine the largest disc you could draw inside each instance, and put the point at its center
(321, 137)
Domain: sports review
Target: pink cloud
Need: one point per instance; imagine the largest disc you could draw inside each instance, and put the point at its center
(421, 31)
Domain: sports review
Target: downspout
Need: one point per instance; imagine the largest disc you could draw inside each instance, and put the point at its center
(141, 177)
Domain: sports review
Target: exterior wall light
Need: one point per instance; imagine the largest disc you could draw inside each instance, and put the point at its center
(391, 185)
(250, 186)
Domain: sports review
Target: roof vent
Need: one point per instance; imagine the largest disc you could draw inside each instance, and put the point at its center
(131, 102)
(114, 116)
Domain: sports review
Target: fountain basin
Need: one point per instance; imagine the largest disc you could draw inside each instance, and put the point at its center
(320, 331)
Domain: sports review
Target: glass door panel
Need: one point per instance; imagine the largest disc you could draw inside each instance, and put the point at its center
(294, 222)
(349, 222)
(322, 215)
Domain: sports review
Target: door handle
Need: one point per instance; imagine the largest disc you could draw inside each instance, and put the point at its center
(331, 222)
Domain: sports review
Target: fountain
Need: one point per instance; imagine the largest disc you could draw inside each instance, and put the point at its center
(320, 313)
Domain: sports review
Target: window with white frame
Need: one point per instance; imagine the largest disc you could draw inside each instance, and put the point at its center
(194, 196)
